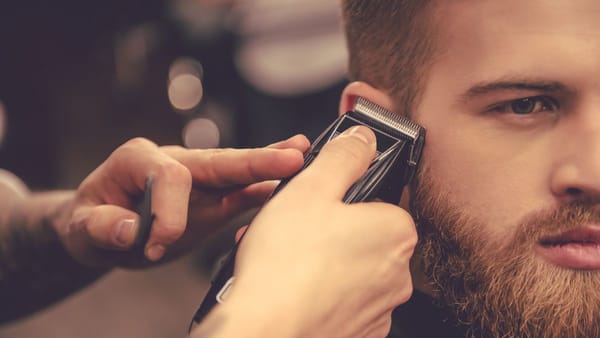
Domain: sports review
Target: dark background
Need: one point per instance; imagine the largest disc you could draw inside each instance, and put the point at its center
(67, 108)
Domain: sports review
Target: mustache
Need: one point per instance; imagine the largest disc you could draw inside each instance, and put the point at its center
(554, 221)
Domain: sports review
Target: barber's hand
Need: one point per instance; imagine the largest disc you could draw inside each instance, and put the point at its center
(312, 266)
(216, 185)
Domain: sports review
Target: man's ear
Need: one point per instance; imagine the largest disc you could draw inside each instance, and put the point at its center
(364, 90)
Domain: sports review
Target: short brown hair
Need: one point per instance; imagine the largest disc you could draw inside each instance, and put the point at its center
(390, 43)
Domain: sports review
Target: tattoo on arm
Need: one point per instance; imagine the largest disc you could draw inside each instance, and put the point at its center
(35, 269)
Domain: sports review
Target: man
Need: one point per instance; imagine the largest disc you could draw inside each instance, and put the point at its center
(506, 201)
(304, 251)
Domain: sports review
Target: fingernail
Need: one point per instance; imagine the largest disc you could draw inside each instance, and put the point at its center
(155, 252)
(125, 232)
(362, 133)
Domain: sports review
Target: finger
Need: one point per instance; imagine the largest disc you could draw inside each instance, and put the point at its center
(339, 164)
(126, 170)
(252, 196)
(299, 142)
(241, 201)
(223, 168)
(129, 167)
(107, 226)
(172, 184)
(240, 232)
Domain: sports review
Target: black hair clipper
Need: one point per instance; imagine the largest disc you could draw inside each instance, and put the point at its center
(399, 146)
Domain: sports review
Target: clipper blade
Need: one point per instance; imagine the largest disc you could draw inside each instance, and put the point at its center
(392, 120)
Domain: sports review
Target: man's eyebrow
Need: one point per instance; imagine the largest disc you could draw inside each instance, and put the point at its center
(489, 87)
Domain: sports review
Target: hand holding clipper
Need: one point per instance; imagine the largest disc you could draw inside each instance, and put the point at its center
(399, 144)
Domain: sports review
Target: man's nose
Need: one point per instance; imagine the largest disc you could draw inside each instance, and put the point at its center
(576, 175)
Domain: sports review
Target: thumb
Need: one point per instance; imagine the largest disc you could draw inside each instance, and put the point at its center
(108, 226)
(339, 163)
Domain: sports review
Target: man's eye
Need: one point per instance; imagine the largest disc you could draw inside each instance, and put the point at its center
(523, 106)
(527, 105)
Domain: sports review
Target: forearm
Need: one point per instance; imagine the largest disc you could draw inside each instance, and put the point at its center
(35, 269)
(222, 323)
(251, 315)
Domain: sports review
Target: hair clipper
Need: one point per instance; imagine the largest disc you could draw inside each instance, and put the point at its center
(399, 145)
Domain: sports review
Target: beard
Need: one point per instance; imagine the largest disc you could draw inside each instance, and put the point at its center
(502, 288)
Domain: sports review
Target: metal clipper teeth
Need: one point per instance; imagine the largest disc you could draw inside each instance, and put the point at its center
(384, 116)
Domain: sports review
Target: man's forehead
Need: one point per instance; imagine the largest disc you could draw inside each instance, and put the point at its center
(470, 17)
(491, 40)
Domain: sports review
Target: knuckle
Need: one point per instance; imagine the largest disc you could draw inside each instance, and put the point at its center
(174, 172)
(405, 291)
(88, 224)
(78, 224)
(408, 230)
(404, 215)
(132, 146)
(210, 172)
(412, 237)
(138, 142)
(253, 170)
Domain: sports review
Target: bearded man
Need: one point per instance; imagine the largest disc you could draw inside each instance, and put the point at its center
(506, 201)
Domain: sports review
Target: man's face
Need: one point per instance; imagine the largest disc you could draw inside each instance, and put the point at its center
(509, 194)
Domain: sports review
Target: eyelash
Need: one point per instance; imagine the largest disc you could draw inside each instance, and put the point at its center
(542, 103)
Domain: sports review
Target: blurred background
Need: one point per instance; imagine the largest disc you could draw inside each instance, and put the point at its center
(79, 78)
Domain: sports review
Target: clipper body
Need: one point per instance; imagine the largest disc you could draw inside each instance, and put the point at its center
(399, 145)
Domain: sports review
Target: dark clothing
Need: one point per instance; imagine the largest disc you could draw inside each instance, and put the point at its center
(420, 318)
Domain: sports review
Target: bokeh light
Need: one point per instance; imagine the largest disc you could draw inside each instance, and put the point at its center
(185, 84)
(201, 133)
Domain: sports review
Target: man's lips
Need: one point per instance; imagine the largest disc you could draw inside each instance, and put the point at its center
(575, 249)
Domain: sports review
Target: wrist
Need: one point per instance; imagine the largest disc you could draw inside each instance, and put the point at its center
(35, 268)
(55, 211)
(246, 316)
